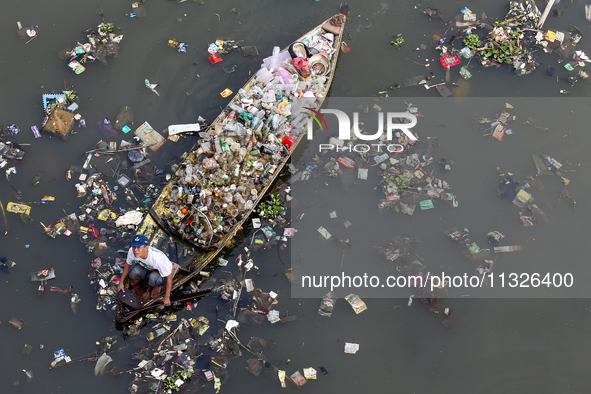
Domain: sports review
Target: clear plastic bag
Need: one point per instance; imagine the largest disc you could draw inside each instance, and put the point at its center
(327, 304)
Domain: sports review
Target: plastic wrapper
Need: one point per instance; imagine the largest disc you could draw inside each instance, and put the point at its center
(327, 304)
(281, 375)
(351, 348)
(310, 373)
(298, 378)
(356, 303)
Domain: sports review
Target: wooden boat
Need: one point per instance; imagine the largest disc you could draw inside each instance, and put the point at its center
(162, 222)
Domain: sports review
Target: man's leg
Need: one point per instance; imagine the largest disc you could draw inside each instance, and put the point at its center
(137, 273)
(156, 282)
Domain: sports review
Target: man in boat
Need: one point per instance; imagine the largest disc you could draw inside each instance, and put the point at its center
(146, 262)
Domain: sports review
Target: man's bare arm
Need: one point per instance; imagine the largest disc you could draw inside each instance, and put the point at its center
(123, 276)
(166, 299)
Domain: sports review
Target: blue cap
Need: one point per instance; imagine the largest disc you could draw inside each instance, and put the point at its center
(139, 240)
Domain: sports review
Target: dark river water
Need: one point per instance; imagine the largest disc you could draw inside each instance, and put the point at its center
(501, 342)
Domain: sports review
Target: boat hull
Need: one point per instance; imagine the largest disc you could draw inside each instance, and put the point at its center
(154, 225)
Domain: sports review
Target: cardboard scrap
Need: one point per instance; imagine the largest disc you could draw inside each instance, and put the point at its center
(324, 232)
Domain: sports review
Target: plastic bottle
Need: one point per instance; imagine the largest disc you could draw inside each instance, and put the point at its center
(236, 108)
(224, 145)
(266, 170)
(235, 146)
(29, 375)
(246, 116)
(261, 114)
(256, 90)
(255, 121)
(269, 96)
(239, 130)
(228, 198)
(239, 199)
(275, 121)
(242, 153)
(232, 126)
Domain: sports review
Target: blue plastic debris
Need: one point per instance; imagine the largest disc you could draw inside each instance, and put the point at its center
(49, 99)
(59, 355)
(14, 130)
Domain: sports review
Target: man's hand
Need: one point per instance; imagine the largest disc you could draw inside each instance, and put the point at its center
(166, 300)
(124, 274)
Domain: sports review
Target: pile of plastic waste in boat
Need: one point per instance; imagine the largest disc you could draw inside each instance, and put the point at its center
(236, 157)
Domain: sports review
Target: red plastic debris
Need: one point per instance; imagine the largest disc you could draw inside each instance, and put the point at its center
(449, 60)
(346, 162)
(288, 141)
(93, 230)
(215, 58)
